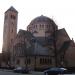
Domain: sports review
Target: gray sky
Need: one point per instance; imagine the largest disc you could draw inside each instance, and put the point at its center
(61, 11)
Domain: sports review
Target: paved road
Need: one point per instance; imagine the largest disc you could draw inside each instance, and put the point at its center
(69, 74)
(9, 72)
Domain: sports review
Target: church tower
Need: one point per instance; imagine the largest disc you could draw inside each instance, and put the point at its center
(10, 28)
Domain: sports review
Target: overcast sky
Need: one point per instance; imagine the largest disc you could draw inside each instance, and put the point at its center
(61, 11)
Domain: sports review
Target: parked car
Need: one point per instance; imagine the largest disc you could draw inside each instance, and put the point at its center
(55, 71)
(21, 70)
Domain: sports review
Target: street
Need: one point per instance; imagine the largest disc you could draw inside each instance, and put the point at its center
(9, 72)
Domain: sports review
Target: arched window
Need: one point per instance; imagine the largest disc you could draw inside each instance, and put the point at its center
(27, 61)
(13, 17)
(40, 60)
(18, 61)
(12, 23)
(35, 26)
(42, 26)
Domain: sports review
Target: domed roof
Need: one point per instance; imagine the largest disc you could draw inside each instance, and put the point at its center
(41, 19)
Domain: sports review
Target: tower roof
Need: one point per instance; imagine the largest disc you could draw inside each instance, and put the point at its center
(12, 9)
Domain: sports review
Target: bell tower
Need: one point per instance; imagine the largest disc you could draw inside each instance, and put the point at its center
(10, 28)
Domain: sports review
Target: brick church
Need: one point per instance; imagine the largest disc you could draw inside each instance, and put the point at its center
(42, 45)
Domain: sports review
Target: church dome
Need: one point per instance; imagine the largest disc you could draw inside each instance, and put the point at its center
(42, 26)
(41, 19)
